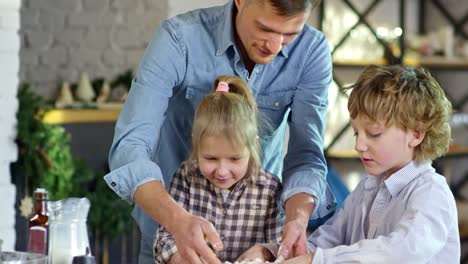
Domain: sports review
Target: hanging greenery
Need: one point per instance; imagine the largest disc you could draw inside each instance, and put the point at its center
(45, 158)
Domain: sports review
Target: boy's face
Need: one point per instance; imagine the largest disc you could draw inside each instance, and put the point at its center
(222, 163)
(383, 149)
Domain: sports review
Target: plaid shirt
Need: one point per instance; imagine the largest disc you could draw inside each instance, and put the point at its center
(249, 215)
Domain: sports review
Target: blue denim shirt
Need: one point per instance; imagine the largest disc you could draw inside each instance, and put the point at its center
(153, 132)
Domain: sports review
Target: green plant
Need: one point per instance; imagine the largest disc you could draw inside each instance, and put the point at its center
(111, 215)
(45, 160)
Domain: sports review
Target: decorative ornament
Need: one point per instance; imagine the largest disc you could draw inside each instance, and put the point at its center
(26, 206)
(85, 91)
(119, 93)
(65, 97)
(104, 93)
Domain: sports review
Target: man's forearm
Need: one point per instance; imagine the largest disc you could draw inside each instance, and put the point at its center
(299, 207)
(153, 198)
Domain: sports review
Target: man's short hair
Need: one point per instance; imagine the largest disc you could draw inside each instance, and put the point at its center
(293, 7)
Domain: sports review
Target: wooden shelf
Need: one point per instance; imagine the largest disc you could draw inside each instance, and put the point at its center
(342, 154)
(457, 151)
(358, 63)
(462, 208)
(411, 60)
(438, 62)
(68, 116)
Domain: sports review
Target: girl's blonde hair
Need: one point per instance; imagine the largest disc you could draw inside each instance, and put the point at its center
(231, 114)
(409, 98)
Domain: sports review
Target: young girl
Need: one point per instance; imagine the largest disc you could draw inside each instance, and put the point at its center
(222, 180)
(403, 211)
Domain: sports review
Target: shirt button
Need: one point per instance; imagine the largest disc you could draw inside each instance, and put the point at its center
(113, 184)
(276, 104)
(257, 71)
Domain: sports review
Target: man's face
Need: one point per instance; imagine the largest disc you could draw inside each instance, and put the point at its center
(262, 32)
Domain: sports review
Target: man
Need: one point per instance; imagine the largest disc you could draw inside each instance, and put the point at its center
(288, 66)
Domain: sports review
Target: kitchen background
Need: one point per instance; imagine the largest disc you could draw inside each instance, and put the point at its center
(48, 42)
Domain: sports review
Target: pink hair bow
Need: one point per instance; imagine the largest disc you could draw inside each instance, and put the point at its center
(222, 87)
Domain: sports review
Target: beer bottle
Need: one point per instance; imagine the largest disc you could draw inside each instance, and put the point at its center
(38, 223)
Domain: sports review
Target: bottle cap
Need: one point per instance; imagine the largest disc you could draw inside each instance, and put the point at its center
(40, 194)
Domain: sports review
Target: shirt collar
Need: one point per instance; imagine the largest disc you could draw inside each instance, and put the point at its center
(226, 34)
(262, 178)
(400, 179)
(225, 30)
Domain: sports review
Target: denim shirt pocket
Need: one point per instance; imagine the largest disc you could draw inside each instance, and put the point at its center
(274, 106)
(196, 94)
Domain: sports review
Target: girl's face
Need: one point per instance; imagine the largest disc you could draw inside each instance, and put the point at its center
(222, 163)
(383, 149)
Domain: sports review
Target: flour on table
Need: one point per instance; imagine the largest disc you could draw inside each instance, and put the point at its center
(255, 261)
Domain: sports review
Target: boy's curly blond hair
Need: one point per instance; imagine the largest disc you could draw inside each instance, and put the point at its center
(409, 98)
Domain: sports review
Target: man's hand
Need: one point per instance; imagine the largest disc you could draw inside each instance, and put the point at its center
(256, 252)
(192, 235)
(299, 207)
(294, 240)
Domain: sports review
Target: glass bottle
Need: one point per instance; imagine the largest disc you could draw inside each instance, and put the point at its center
(38, 223)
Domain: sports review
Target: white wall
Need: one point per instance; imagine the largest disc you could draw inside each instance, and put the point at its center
(182, 6)
(9, 67)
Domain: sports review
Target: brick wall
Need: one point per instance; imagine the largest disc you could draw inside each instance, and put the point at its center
(9, 67)
(182, 6)
(63, 38)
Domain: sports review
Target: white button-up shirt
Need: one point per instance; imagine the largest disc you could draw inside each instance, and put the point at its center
(410, 217)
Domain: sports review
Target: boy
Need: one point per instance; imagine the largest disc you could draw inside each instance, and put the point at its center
(403, 211)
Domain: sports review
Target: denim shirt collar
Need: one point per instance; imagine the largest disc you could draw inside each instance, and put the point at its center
(226, 34)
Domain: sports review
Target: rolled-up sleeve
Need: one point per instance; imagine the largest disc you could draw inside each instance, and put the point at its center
(124, 180)
(164, 243)
(138, 128)
(164, 246)
(305, 167)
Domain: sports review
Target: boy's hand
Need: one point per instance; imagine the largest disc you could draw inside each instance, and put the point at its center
(256, 252)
